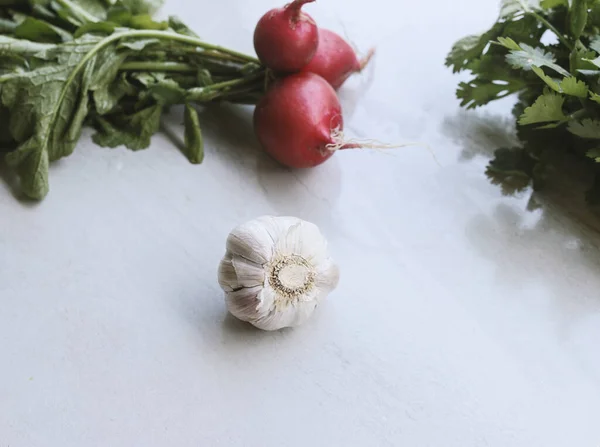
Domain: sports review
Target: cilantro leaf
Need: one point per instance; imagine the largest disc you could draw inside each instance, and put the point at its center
(548, 107)
(578, 17)
(574, 87)
(469, 48)
(587, 128)
(479, 92)
(550, 82)
(595, 97)
(551, 4)
(594, 154)
(528, 57)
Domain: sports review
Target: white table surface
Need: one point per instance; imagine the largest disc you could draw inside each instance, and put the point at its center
(462, 319)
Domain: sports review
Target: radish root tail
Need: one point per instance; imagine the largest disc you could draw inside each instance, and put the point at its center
(365, 60)
(341, 143)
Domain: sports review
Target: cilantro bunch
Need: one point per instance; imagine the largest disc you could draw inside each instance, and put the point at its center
(557, 84)
(107, 64)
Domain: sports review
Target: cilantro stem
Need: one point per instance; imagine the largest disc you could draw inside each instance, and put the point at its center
(525, 7)
(552, 28)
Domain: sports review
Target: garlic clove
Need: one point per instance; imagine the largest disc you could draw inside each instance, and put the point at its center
(243, 303)
(276, 227)
(251, 241)
(290, 316)
(249, 274)
(227, 275)
(303, 239)
(236, 272)
(328, 276)
(267, 300)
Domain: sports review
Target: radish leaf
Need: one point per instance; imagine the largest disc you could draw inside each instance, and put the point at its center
(194, 144)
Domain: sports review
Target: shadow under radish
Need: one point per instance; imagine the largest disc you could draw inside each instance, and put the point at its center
(309, 194)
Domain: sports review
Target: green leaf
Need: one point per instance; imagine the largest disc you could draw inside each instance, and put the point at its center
(507, 42)
(194, 143)
(471, 47)
(578, 15)
(119, 15)
(479, 92)
(572, 86)
(22, 47)
(107, 97)
(204, 78)
(33, 172)
(510, 8)
(7, 26)
(552, 4)
(84, 8)
(133, 131)
(12, 63)
(595, 97)
(589, 72)
(550, 82)
(587, 128)
(529, 57)
(179, 27)
(144, 21)
(95, 28)
(595, 44)
(47, 113)
(106, 90)
(143, 6)
(40, 31)
(594, 154)
(548, 107)
(167, 92)
(579, 58)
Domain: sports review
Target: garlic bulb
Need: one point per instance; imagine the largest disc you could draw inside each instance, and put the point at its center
(275, 271)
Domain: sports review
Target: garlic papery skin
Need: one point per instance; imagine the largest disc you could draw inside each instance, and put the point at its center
(275, 271)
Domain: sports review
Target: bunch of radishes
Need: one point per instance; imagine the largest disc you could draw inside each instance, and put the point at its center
(299, 119)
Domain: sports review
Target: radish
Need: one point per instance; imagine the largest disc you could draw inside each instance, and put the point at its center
(335, 60)
(285, 39)
(299, 121)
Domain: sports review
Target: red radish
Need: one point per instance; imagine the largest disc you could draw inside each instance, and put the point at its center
(299, 121)
(335, 60)
(285, 39)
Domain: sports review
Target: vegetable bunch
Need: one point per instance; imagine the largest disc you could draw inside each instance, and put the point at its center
(299, 121)
(547, 53)
(68, 63)
(108, 64)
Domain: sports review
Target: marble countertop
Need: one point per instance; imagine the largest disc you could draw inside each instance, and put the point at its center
(463, 318)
